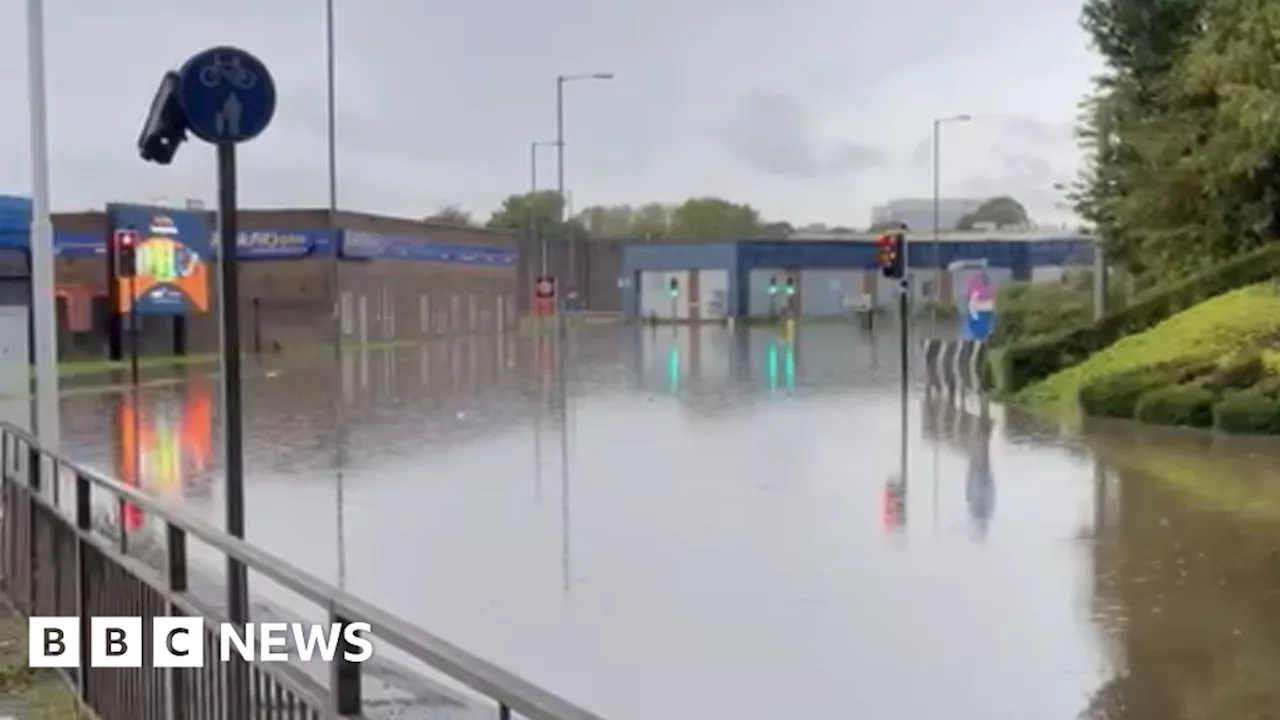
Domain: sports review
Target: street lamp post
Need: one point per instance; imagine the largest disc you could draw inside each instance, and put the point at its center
(534, 233)
(43, 312)
(569, 240)
(937, 197)
(335, 276)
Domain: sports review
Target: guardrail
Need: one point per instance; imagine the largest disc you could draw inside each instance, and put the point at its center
(954, 363)
(54, 563)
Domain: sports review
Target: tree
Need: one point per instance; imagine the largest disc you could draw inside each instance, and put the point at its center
(617, 221)
(450, 215)
(517, 212)
(709, 218)
(1003, 212)
(652, 221)
(1140, 129)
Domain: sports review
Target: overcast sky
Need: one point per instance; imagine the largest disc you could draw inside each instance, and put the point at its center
(811, 110)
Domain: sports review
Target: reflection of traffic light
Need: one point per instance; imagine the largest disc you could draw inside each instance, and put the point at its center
(780, 355)
(889, 252)
(895, 504)
(673, 368)
(673, 288)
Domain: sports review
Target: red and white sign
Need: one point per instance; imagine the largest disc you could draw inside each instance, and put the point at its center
(545, 287)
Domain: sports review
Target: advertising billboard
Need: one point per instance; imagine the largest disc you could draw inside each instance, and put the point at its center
(172, 260)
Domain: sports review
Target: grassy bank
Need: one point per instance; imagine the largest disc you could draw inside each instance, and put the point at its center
(1244, 318)
(29, 693)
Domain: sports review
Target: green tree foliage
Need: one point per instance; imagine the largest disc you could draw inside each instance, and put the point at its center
(709, 218)
(1003, 212)
(705, 218)
(538, 212)
(1183, 131)
(451, 215)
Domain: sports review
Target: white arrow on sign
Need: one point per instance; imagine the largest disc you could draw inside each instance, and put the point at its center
(228, 118)
(978, 305)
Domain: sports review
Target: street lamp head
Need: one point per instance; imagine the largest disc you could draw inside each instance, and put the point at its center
(584, 76)
(963, 118)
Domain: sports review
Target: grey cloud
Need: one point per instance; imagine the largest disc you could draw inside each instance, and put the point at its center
(773, 133)
(1028, 178)
(1038, 131)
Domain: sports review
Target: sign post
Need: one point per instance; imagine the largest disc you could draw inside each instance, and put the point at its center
(224, 96)
(544, 293)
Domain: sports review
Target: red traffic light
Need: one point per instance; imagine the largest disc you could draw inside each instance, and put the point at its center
(126, 238)
(885, 241)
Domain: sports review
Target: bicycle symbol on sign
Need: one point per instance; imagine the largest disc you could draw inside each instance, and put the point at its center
(227, 68)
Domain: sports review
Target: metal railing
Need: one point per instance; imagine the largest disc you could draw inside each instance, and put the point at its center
(54, 562)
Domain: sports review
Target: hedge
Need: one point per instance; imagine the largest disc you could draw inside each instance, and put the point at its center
(1188, 405)
(1249, 411)
(1025, 362)
(1118, 395)
(1237, 373)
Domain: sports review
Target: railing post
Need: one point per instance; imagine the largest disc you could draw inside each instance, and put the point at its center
(33, 486)
(344, 675)
(84, 523)
(176, 549)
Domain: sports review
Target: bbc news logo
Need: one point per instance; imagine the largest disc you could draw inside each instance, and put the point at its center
(55, 642)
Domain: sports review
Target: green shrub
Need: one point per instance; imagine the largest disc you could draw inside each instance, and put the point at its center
(1026, 361)
(1118, 395)
(1252, 411)
(1241, 371)
(1189, 405)
(1026, 311)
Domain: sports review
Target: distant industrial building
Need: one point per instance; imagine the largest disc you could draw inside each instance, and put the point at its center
(918, 214)
(713, 281)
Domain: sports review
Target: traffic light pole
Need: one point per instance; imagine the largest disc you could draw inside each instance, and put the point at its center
(904, 307)
(133, 330)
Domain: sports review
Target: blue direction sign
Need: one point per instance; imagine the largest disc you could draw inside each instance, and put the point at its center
(980, 310)
(227, 95)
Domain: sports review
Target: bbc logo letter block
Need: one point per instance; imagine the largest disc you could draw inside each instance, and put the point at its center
(55, 642)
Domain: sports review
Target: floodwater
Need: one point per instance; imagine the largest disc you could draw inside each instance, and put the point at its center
(700, 523)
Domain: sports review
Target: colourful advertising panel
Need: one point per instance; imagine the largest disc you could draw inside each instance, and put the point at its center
(166, 442)
(173, 273)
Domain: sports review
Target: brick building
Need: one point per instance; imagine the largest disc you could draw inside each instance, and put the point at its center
(393, 280)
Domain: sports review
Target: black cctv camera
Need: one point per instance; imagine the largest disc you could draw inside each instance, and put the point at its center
(166, 126)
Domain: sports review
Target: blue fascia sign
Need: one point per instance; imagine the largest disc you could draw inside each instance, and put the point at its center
(362, 245)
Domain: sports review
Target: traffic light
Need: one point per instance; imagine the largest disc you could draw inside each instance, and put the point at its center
(889, 252)
(791, 285)
(126, 253)
(773, 285)
(165, 127)
(673, 288)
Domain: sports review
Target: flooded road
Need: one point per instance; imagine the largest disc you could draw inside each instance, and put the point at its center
(714, 524)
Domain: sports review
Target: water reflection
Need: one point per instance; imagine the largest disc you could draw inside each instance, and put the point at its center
(605, 512)
(962, 422)
(1188, 568)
